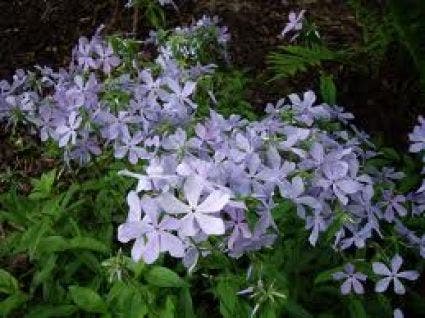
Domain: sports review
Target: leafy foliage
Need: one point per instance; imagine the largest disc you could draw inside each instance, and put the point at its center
(291, 60)
(66, 234)
(225, 92)
(397, 23)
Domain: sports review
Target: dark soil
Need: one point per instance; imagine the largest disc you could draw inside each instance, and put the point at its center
(384, 99)
(44, 31)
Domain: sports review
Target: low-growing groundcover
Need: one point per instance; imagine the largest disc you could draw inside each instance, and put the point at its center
(172, 197)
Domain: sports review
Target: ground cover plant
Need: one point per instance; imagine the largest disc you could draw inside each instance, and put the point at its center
(171, 195)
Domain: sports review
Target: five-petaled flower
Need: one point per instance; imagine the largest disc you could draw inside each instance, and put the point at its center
(197, 216)
(392, 275)
(352, 280)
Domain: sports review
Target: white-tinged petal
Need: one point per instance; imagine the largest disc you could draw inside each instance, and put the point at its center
(380, 269)
(151, 250)
(130, 231)
(188, 226)
(396, 262)
(382, 285)
(170, 204)
(399, 287)
(137, 249)
(210, 225)
(135, 211)
(172, 244)
(192, 190)
(214, 202)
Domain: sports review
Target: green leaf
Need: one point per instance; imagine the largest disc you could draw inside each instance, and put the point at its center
(290, 60)
(226, 292)
(45, 271)
(328, 89)
(325, 276)
(268, 312)
(8, 283)
(42, 188)
(138, 308)
(164, 277)
(169, 309)
(390, 153)
(356, 309)
(52, 244)
(87, 299)
(185, 304)
(88, 243)
(46, 311)
(136, 267)
(12, 303)
(295, 310)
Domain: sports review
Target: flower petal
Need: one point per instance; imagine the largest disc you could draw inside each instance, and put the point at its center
(382, 285)
(210, 225)
(398, 287)
(172, 244)
(192, 190)
(188, 226)
(134, 204)
(409, 275)
(214, 202)
(129, 231)
(151, 250)
(170, 204)
(381, 269)
(396, 262)
(358, 287)
(137, 249)
(346, 287)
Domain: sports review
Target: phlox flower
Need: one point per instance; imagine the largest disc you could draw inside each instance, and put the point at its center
(392, 274)
(197, 216)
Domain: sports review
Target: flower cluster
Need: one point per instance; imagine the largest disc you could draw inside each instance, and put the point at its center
(193, 44)
(353, 280)
(92, 105)
(206, 176)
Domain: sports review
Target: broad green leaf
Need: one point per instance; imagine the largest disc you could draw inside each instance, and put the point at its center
(356, 309)
(226, 292)
(31, 238)
(47, 311)
(8, 283)
(88, 243)
(185, 304)
(169, 309)
(12, 303)
(52, 244)
(138, 308)
(87, 299)
(45, 270)
(164, 277)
